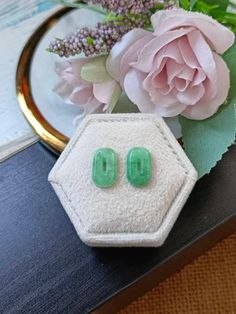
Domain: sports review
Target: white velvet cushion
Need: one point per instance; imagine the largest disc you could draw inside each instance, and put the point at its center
(123, 215)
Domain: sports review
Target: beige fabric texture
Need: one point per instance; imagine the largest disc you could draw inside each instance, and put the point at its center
(123, 215)
(207, 286)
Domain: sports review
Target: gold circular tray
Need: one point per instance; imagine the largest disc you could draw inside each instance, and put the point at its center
(46, 132)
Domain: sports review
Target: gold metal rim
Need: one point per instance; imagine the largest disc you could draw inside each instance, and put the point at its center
(47, 133)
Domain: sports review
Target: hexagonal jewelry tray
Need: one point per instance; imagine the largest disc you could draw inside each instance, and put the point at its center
(123, 215)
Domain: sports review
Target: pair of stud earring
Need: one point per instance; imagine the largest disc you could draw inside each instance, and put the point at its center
(105, 167)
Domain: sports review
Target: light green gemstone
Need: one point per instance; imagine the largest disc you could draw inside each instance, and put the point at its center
(139, 166)
(104, 172)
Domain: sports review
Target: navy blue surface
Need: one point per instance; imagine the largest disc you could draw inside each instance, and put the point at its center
(45, 268)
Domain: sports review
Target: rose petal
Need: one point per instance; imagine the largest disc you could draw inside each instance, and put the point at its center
(187, 74)
(159, 64)
(210, 90)
(166, 100)
(203, 53)
(170, 51)
(181, 84)
(171, 111)
(131, 55)
(205, 109)
(64, 71)
(191, 95)
(199, 77)
(219, 36)
(60, 67)
(70, 70)
(173, 69)
(133, 89)
(183, 79)
(158, 81)
(147, 54)
(205, 59)
(93, 106)
(81, 94)
(149, 80)
(77, 65)
(107, 93)
(63, 89)
(187, 53)
(117, 52)
(142, 99)
(103, 91)
(163, 56)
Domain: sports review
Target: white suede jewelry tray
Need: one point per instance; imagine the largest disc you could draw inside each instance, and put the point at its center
(123, 214)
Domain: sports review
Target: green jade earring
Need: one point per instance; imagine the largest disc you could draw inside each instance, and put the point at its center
(139, 166)
(104, 172)
(105, 169)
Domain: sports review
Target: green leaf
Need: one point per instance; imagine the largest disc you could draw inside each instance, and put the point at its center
(202, 6)
(220, 10)
(113, 17)
(206, 141)
(184, 4)
(95, 70)
(89, 41)
(223, 4)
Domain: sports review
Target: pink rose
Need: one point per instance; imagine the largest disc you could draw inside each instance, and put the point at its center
(177, 68)
(92, 97)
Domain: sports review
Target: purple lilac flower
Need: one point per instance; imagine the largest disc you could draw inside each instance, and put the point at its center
(99, 40)
(126, 6)
(136, 13)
